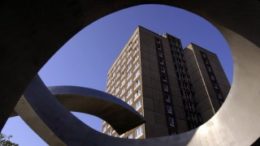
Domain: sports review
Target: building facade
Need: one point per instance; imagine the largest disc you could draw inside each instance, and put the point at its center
(152, 74)
(208, 78)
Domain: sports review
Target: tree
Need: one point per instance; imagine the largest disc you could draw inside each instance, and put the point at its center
(5, 140)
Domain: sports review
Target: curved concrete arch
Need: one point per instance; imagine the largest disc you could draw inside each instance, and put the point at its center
(38, 96)
(238, 21)
(94, 102)
(31, 118)
(100, 104)
(58, 126)
(83, 100)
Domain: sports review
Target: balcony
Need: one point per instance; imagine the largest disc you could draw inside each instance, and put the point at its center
(137, 74)
(136, 59)
(136, 66)
(135, 52)
(130, 102)
(129, 60)
(122, 93)
(139, 133)
(129, 76)
(129, 84)
(129, 93)
(138, 105)
(137, 84)
(129, 67)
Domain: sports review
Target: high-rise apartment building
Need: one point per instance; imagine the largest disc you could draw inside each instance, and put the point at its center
(154, 74)
(208, 79)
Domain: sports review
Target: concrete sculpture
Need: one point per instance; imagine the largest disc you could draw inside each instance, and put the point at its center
(33, 31)
(77, 99)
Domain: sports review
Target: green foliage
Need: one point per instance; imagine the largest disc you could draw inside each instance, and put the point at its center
(5, 140)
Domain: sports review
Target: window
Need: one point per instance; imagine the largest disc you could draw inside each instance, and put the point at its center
(113, 132)
(136, 58)
(129, 60)
(122, 135)
(171, 121)
(161, 62)
(220, 96)
(130, 101)
(216, 86)
(123, 83)
(123, 62)
(117, 90)
(136, 66)
(158, 41)
(212, 77)
(137, 83)
(122, 92)
(164, 78)
(137, 74)
(167, 98)
(129, 93)
(129, 67)
(160, 54)
(169, 109)
(209, 69)
(130, 136)
(165, 88)
(137, 94)
(130, 46)
(162, 69)
(109, 132)
(129, 74)
(138, 105)
(138, 132)
(135, 37)
(136, 51)
(203, 55)
(129, 83)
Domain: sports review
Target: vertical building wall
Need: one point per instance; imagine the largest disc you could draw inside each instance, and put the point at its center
(154, 112)
(125, 82)
(208, 78)
(172, 88)
(167, 106)
(187, 113)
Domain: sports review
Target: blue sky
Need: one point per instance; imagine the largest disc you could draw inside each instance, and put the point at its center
(85, 59)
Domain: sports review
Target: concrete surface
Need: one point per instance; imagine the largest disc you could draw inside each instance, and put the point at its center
(32, 31)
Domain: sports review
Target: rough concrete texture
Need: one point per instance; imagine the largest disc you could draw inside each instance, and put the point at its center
(43, 112)
(32, 31)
